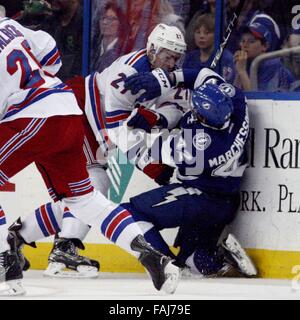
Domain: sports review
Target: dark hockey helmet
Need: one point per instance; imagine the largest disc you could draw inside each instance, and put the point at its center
(212, 104)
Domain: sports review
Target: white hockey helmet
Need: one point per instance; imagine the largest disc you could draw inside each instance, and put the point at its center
(167, 37)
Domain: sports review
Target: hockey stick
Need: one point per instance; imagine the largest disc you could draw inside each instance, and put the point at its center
(114, 173)
(228, 31)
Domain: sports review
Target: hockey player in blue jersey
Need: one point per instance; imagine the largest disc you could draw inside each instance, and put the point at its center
(209, 153)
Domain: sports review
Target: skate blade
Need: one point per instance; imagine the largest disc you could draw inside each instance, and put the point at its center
(172, 274)
(59, 270)
(12, 288)
(240, 256)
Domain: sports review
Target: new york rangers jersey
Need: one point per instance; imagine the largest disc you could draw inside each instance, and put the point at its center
(29, 61)
(119, 103)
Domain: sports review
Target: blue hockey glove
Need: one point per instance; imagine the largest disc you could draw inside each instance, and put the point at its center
(155, 84)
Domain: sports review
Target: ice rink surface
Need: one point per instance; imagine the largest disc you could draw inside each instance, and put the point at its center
(112, 286)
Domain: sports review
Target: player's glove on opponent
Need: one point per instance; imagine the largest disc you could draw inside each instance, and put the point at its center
(159, 172)
(146, 119)
(155, 83)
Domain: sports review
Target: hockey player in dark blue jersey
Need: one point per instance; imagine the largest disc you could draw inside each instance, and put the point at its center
(208, 151)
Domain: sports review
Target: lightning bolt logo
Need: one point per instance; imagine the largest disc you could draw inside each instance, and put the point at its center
(173, 194)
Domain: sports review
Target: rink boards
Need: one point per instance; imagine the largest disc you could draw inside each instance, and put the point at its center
(268, 223)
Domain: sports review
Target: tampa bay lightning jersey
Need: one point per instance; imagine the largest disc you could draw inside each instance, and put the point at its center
(212, 160)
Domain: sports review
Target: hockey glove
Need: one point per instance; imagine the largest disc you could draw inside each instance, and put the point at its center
(160, 173)
(146, 119)
(155, 84)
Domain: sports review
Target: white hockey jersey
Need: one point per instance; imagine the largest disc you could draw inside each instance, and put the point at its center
(119, 103)
(29, 61)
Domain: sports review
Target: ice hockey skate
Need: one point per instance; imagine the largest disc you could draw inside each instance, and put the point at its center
(65, 262)
(10, 274)
(19, 242)
(165, 275)
(236, 261)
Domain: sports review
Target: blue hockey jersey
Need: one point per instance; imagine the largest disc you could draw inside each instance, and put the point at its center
(209, 159)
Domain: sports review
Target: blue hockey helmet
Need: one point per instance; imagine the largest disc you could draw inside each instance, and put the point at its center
(212, 103)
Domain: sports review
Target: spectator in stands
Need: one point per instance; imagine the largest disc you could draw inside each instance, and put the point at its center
(36, 14)
(250, 9)
(144, 15)
(66, 26)
(203, 41)
(111, 41)
(271, 25)
(258, 38)
(141, 15)
(292, 62)
(198, 8)
(280, 11)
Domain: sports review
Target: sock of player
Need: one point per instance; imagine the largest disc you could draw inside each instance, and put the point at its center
(116, 223)
(50, 219)
(43, 222)
(151, 234)
(4, 246)
(120, 228)
(72, 228)
(156, 240)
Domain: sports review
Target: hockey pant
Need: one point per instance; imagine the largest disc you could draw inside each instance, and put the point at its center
(201, 218)
(55, 144)
(53, 218)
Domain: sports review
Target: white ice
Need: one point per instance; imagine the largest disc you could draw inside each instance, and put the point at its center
(113, 286)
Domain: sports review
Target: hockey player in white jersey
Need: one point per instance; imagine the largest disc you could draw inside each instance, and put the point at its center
(53, 219)
(107, 106)
(164, 47)
(41, 123)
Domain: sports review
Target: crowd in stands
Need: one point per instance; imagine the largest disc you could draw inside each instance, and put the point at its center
(119, 27)
(63, 19)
